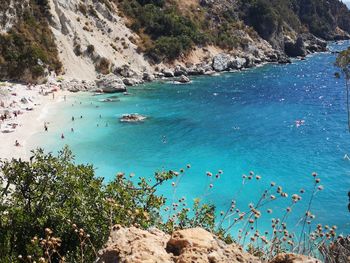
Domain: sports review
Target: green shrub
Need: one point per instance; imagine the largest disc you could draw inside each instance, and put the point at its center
(28, 44)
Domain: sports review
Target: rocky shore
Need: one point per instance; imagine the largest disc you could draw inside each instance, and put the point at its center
(123, 77)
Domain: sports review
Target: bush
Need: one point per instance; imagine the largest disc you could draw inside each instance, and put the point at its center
(51, 196)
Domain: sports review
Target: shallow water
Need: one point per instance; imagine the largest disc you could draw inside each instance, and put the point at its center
(236, 122)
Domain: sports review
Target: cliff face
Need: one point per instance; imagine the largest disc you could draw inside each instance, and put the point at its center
(84, 38)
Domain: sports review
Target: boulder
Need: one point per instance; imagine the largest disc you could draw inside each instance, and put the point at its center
(179, 71)
(295, 48)
(147, 76)
(126, 72)
(183, 79)
(238, 63)
(184, 246)
(132, 81)
(135, 245)
(198, 245)
(168, 73)
(293, 258)
(110, 84)
(221, 62)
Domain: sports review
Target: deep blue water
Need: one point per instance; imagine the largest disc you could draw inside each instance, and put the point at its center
(236, 122)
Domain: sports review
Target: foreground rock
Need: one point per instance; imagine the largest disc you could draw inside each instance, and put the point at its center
(110, 84)
(293, 258)
(195, 245)
(184, 246)
(134, 117)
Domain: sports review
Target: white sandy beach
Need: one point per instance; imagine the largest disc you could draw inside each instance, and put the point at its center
(28, 122)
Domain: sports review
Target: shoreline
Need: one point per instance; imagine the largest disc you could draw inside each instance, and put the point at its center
(31, 122)
(28, 122)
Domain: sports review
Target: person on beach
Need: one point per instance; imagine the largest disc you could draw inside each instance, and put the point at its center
(65, 98)
(62, 136)
(17, 143)
(45, 127)
(72, 118)
(53, 95)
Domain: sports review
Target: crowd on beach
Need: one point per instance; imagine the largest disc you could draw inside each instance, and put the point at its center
(17, 100)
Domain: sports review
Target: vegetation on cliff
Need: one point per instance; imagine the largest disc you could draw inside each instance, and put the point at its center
(29, 47)
(53, 210)
(170, 29)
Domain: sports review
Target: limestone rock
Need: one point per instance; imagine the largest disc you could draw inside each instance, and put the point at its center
(200, 246)
(179, 71)
(147, 76)
(295, 48)
(183, 79)
(293, 258)
(238, 63)
(132, 81)
(111, 84)
(135, 245)
(221, 62)
(168, 73)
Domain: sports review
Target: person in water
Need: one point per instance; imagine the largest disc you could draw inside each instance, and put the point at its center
(71, 129)
(62, 136)
(72, 118)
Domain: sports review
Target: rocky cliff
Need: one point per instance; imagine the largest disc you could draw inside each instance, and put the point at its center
(183, 246)
(84, 38)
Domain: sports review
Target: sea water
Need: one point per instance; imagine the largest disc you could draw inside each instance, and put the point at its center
(283, 122)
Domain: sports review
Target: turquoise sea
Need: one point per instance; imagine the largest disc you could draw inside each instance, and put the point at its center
(236, 122)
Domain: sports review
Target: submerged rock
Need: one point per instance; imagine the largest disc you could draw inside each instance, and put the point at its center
(133, 117)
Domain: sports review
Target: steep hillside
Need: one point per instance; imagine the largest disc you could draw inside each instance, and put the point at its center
(27, 46)
(83, 38)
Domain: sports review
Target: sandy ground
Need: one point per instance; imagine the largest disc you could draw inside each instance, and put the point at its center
(28, 122)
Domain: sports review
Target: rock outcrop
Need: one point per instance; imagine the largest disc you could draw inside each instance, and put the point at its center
(110, 84)
(183, 246)
(293, 258)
